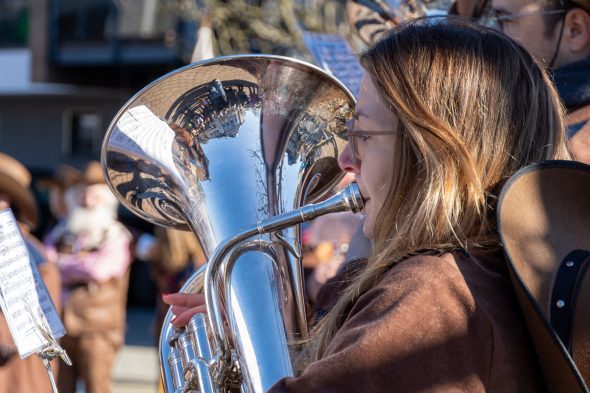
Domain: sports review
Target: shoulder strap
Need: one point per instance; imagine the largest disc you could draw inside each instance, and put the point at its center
(564, 294)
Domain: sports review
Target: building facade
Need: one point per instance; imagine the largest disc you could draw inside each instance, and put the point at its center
(68, 66)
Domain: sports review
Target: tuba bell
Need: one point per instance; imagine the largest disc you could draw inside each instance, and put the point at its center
(231, 149)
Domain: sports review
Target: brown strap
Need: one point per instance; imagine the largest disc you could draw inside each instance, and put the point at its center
(580, 330)
(564, 296)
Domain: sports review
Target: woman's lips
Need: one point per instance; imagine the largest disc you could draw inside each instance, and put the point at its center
(365, 201)
(363, 197)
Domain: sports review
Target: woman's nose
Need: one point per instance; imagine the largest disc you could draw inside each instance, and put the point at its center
(345, 160)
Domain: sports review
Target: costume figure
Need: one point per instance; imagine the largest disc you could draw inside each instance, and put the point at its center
(92, 250)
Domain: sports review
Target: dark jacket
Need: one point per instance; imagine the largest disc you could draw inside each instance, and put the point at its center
(573, 84)
(445, 323)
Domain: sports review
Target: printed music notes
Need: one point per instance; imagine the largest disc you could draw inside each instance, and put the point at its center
(24, 299)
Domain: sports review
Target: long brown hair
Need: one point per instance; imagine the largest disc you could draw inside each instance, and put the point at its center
(473, 108)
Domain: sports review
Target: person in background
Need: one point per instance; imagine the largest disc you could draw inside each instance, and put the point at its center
(61, 190)
(173, 256)
(28, 375)
(354, 260)
(92, 251)
(437, 132)
(558, 32)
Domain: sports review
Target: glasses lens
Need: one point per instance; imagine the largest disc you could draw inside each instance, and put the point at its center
(490, 19)
(352, 142)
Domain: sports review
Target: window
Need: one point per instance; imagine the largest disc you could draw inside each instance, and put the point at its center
(14, 23)
(83, 132)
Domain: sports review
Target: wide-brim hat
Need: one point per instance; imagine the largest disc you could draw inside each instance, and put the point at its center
(64, 177)
(544, 224)
(93, 173)
(15, 180)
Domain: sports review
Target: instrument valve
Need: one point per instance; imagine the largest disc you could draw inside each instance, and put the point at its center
(234, 376)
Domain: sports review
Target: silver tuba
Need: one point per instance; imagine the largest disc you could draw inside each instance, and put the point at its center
(231, 148)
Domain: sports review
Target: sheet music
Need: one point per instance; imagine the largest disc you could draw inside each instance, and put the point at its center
(332, 53)
(22, 291)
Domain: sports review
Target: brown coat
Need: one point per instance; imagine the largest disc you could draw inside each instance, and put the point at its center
(96, 307)
(431, 324)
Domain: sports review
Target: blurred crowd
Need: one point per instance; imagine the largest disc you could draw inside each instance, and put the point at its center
(84, 259)
(84, 256)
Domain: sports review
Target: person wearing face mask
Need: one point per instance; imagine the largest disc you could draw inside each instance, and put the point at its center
(435, 135)
(558, 33)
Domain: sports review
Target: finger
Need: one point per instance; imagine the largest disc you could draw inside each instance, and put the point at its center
(177, 310)
(183, 318)
(183, 299)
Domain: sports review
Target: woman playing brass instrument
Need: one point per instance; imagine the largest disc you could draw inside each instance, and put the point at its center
(447, 112)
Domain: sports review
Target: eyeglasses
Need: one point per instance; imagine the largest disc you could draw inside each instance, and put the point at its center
(493, 20)
(357, 139)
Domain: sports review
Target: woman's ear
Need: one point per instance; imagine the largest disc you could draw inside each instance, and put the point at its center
(576, 32)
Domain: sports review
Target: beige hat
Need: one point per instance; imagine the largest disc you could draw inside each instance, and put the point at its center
(93, 173)
(544, 224)
(15, 180)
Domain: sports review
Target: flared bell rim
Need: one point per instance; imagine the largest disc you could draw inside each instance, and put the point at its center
(210, 62)
(213, 61)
